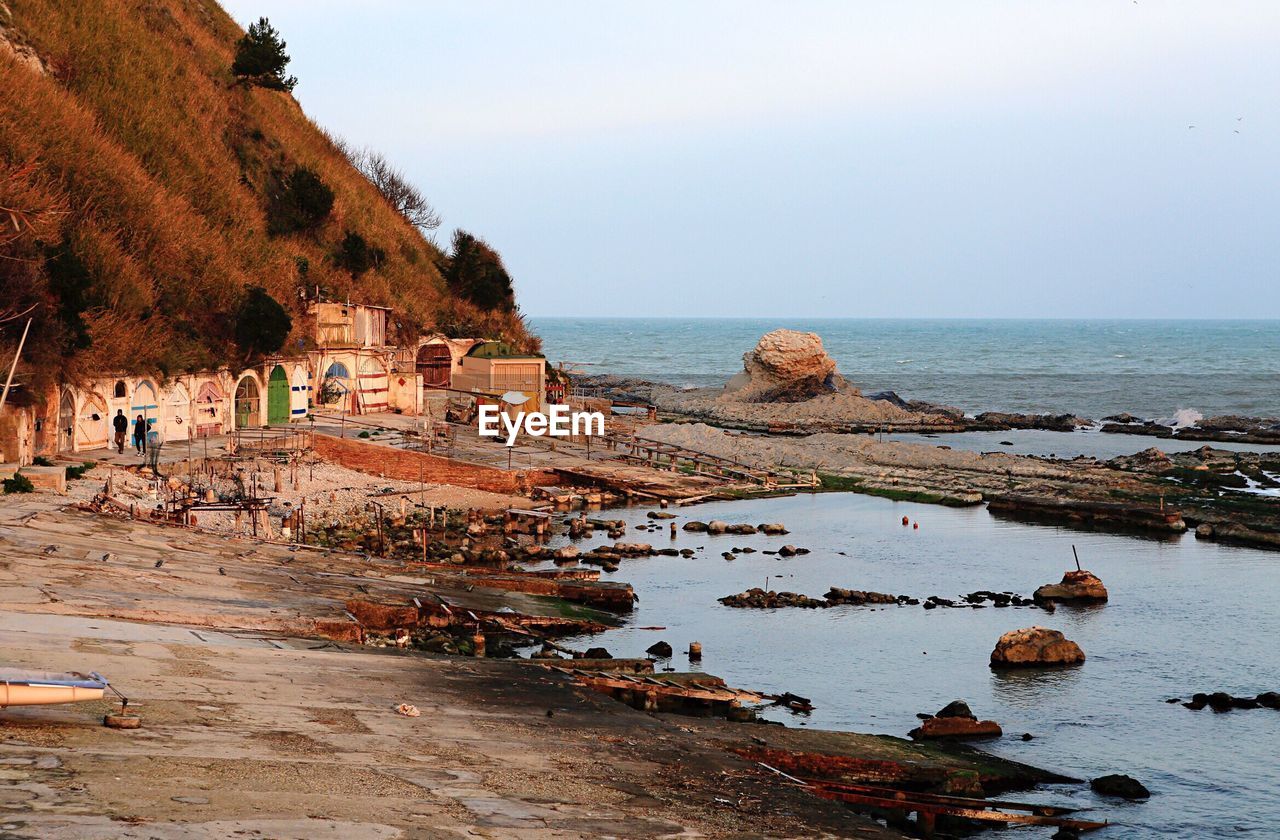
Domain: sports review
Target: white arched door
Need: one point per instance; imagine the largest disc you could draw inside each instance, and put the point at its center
(92, 425)
(176, 417)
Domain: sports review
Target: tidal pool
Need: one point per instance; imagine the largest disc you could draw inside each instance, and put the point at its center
(1184, 616)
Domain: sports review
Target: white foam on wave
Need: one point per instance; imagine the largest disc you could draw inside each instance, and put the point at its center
(1183, 418)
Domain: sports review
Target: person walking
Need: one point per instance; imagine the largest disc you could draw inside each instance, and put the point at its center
(140, 435)
(121, 424)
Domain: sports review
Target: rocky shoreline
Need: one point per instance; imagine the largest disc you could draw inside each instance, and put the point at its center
(790, 385)
(1221, 494)
(352, 644)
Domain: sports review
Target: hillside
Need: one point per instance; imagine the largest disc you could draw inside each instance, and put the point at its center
(142, 184)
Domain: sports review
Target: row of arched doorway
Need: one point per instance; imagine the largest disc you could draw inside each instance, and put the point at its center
(85, 414)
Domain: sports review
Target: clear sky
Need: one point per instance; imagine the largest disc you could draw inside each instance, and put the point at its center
(842, 158)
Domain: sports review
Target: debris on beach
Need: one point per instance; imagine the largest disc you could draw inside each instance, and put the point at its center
(694, 693)
(408, 710)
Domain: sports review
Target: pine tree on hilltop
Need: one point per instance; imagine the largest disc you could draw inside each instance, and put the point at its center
(260, 58)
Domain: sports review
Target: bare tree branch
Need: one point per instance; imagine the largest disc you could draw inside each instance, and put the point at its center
(404, 197)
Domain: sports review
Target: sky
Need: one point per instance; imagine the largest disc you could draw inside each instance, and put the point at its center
(1080, 159)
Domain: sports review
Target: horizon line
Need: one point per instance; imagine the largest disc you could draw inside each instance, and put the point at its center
(1233, 319)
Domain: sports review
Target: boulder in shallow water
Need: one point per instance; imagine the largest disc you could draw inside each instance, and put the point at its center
(858, 597)
(1077, 587)
(1118, 784)
(758, 598)
(956, 708)
(1033, 647)
(661, 650)
(956, 728)
(955, 720)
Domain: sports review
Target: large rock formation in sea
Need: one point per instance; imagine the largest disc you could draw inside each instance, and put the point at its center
(1034, 647)
(786, 366)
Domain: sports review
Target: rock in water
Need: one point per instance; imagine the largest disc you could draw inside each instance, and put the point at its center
(567, 552)
(957, 728)
(857, 597)
(1120, 785)
(759, 599)
(956, 708)
(1035, 647)
(955, 720)
(785, 366)
(1077, 587)
(661, 650)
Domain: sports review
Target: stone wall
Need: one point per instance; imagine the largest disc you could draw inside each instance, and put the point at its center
(406, 465)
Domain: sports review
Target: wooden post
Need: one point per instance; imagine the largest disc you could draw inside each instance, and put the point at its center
(14, 365)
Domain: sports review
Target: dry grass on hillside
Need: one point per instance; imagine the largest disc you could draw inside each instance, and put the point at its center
(162, 164)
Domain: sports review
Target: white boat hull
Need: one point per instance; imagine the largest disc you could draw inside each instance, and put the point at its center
(36, 688)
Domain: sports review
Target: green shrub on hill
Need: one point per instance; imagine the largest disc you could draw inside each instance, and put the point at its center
(301, 202)
(261, 59)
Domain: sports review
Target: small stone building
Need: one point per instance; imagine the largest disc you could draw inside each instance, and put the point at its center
(492, 368)
(352, 360)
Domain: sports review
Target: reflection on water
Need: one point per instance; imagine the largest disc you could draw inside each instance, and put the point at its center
(1026, 689)
(1184, 616)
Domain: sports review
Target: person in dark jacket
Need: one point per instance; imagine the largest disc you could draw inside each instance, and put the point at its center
(140, 435)
(121, 424)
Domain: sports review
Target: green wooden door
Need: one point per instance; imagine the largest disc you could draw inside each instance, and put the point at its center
(278, 397)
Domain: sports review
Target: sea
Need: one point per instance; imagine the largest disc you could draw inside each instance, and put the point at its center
(1092, 368)
(1185, 615)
